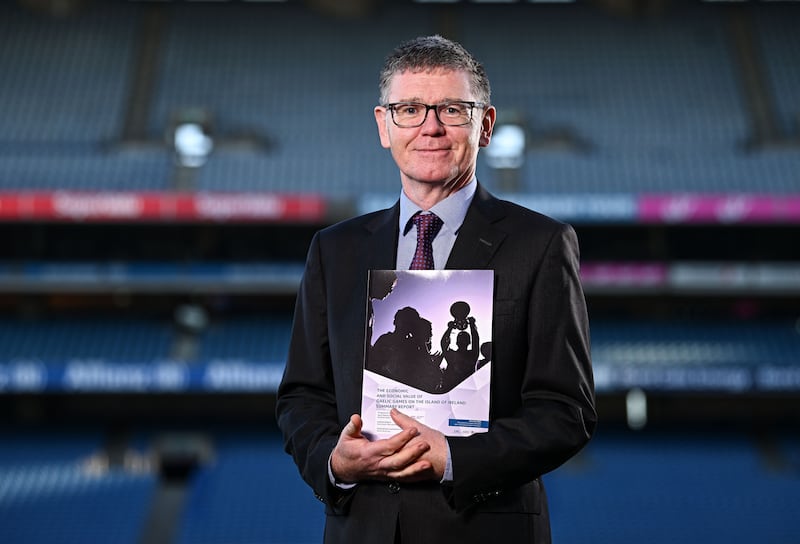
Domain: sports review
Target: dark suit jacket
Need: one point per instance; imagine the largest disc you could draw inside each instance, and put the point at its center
(542, 392)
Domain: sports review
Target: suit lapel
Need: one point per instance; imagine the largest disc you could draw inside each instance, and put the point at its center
(479, 238)
(381, 247)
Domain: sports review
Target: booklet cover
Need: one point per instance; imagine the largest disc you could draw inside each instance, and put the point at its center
(428, 350)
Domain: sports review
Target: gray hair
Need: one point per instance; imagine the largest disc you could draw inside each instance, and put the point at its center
(429, 52)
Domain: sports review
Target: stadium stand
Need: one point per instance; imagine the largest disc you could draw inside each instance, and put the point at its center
(776, 30)
(695, 342)
(101, 339)
(81, 170)
(56, 487)
(620, 84)
(660, 477)
(66, 81)
(645, 105)
(734, 356)
(695, 354)
(63, 103)
(235, 497)
(616, 109)
(628, 486)
(251, 339)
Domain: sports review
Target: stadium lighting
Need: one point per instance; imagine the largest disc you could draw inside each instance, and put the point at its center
(191, 318)
(192, 144)
(189, 134)
(507, 149)
(636, 409)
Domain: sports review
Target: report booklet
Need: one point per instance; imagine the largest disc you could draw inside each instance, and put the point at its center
(428, 350)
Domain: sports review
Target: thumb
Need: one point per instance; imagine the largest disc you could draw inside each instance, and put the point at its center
(353, 427)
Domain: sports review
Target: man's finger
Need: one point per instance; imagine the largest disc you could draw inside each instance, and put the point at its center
(403, 421)
(404, 457)
(398, 440)
(414, 472)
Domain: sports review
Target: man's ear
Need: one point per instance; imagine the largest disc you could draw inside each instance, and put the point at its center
(487, 126)
(381, 114)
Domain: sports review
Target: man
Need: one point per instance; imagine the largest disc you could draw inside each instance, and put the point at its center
(419, 486)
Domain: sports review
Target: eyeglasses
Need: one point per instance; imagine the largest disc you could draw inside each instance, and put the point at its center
(414, 114)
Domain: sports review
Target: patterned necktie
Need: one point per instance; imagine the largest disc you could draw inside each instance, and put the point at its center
(428, 226)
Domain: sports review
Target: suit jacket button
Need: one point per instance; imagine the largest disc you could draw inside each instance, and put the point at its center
(394, 487)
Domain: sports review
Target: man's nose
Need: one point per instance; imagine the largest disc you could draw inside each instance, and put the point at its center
(432, 123)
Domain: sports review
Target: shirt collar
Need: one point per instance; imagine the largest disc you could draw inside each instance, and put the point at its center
(451, 210)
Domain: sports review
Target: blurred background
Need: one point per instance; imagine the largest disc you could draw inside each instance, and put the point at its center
(163, 166)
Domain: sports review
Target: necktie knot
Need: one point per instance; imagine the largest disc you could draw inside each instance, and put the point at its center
(428, 226)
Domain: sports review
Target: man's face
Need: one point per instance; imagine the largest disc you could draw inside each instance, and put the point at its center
(433, 153)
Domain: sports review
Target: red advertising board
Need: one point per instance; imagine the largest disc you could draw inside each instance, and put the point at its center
(135, 206)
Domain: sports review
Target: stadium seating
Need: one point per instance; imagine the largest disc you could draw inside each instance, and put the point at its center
(676, 486)
(109, 340)
(254, 339)
(51, 492)
(651, 105)
(776, 29)
(65, 80)
(251, 492)
(85, 169)
(611, 104)
(695, 342)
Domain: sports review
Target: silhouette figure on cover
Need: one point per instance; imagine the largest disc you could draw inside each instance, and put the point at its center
(381, 285)
(486, 352)
(459, 363)
(404, 354)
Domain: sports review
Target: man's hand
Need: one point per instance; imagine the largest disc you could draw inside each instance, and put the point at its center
(434, 455)
(355, 458)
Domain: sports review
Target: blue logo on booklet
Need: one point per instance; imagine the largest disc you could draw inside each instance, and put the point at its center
(469, 423)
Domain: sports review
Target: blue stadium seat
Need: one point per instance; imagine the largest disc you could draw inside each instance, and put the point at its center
(251, 492)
